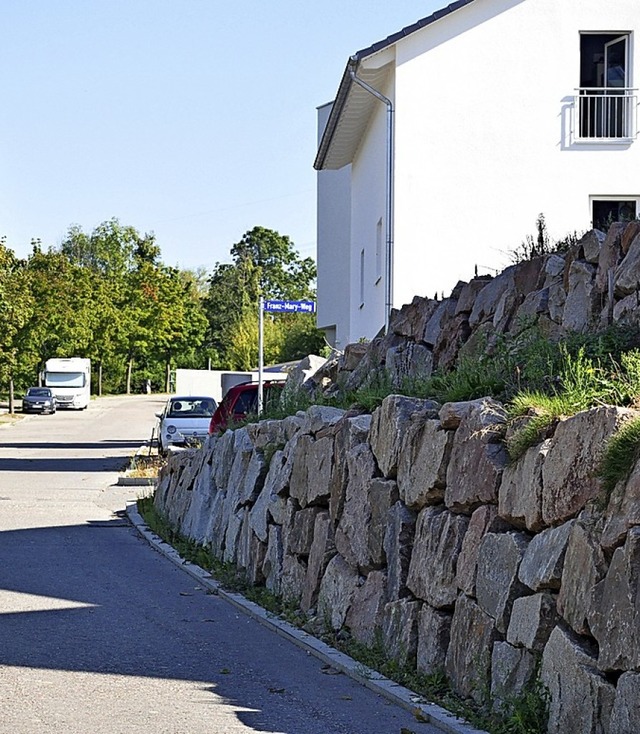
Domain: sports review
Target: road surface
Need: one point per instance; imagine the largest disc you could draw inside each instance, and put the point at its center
(101, 634)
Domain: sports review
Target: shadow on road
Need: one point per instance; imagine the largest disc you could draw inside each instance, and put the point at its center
(88, 598)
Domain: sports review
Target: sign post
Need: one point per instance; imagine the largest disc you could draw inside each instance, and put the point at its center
(274, 306)
(260, 354)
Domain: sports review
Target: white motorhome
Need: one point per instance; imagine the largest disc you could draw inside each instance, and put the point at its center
(70, 380)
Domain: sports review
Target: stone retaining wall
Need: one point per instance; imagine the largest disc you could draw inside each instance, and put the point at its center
(412, 523)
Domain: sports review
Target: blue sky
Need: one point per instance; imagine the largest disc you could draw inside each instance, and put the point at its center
(194, 119)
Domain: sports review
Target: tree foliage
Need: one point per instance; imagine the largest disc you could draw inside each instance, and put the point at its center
(265, 263)
(108, 296)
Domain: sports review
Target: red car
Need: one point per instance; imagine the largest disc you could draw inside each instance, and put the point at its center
(239, 402)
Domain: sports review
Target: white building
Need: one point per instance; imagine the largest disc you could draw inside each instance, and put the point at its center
(447, 139)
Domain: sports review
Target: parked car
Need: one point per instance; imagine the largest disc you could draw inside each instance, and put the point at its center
(184, 420)
(39, 400)
(240, 401)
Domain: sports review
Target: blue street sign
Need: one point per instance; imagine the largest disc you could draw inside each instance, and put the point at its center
(290, 306)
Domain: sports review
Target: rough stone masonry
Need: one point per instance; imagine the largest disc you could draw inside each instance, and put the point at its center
(412, 524)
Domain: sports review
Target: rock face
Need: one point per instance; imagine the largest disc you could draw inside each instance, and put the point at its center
(409, 527)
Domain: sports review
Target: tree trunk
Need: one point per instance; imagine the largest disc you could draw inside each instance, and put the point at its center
(11, 396)
(167, 382)
(129, 370)
(100, 379)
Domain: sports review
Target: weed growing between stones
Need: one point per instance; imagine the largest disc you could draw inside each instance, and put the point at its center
(526, 713)
(582, 383)
(620, 455)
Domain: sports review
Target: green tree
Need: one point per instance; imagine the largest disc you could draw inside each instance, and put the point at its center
(263, 262)
(16, 307)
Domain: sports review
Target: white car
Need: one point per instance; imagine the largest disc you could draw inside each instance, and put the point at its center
(184, 421)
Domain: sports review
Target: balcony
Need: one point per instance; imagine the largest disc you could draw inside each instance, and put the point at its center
(605, 114)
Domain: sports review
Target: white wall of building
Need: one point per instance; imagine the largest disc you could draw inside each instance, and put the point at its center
(334, 255)
(367, 223)
(483, 137)
(483, 144)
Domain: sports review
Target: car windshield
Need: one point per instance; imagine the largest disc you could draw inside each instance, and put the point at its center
(39, 392)
(191, 408)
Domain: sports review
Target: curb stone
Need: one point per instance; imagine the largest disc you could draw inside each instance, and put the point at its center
(395, 693)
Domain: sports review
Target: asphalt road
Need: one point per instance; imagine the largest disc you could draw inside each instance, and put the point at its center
(99, 633)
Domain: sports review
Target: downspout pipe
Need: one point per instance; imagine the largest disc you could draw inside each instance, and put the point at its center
(389, 203)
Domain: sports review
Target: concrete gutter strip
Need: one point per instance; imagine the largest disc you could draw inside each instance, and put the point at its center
(397, 694)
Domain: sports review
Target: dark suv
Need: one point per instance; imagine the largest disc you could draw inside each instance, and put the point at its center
(239, 402)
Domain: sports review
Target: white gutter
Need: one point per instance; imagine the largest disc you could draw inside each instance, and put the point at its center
(389, 203)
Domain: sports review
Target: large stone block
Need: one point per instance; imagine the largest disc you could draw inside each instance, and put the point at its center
(322, 551)
(319, 468)
(468, 661)
(350, 433)
(497, 583)
(491, 296)
(299, 478)
(409, 361)
(541, 567)
(484, 520)
(279, 472)
(614, 617)
(217, 525)
(233, 534)
(365, 615)
(299, 538)
(569, 478)
(352, 533)
(437, 544)
(610, 255)
(400, 630)
(251, 553)
(197, 516)
(512, 670)
(581, 699)
(591, 244)
(318, 417)
(442, 315)
(434, 631)
(627, 274)
(623, 510)
(625, 716)
(532, 620)
(477, 458)
(398, 544)
(383, 494)
(293, 577)
(224, 457)
(584, 566)
(272, 564)
(337, 589)
(423, 460)
(411, 319)
(520, 493)
(388, 426)
(578, 311)
(243, 455)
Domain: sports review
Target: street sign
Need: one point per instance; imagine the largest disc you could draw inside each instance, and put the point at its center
(290, 306)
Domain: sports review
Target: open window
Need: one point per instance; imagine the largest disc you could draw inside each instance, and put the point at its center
(606, 100)
(606, 210)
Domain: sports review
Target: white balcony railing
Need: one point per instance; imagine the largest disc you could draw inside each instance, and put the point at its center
(605, 114)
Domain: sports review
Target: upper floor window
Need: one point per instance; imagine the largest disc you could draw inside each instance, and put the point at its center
(606, 102)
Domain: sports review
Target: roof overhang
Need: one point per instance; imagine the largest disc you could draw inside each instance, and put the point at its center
(350, 114)
(353, 105)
